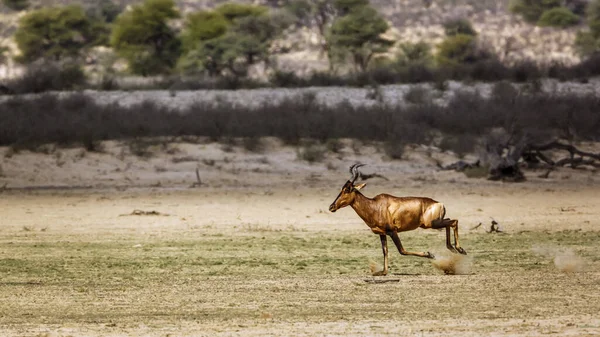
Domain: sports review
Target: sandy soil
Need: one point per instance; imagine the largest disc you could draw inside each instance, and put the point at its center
(71, 200)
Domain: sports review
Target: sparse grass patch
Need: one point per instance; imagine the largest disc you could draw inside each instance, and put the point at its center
(477, 172)
(311, 152)
(393, 148)
(183, 159)
(253, 144)
(417, 95)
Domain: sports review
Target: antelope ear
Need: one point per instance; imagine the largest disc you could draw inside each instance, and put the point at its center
(358, 187)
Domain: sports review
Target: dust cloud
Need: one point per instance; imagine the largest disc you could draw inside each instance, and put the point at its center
(564, 259)
(455, 264)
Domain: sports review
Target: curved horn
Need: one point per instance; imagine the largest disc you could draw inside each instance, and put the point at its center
(354, 171)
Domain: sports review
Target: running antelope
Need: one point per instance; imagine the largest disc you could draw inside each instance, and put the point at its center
(387, 215)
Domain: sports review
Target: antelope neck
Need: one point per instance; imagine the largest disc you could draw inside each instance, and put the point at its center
(363, 206)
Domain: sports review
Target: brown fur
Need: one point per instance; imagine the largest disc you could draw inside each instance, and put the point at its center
(388, 215)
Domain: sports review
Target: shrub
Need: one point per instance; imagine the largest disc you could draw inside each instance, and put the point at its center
(531, 10)
(586, 44)
(459, 26)
(592, 16)
(334, 145)
(16, 5)
(459, 144)
(558, 17)
(77, 119)
(393, 148)
(312, 153)
(285, 79)
(504, 91)
(417, 95)
(413, 54)
(457, 49)
(49, 77)
(253, 144)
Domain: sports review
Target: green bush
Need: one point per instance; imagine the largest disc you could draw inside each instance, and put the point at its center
(233, 11)
(459, 49)
(532, 10)
(201, 26)
(592, 15)
(359, 35)
(344, 7)
(459, 26)
(68, 27)
(586, 44)
(145, 39)
(16, 5)
(414, 53)
(558, 17)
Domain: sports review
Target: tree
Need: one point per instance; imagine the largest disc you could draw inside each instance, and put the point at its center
(104, 10)
(233, 11)
(321, 13)
(54, 33)
(201, 26)
(246, 42)
(359, 34)
(345, 7)
(143, 37)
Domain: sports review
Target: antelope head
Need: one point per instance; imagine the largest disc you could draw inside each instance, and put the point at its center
(349, 190)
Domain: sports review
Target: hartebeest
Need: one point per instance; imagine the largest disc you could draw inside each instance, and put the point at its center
(387, 215)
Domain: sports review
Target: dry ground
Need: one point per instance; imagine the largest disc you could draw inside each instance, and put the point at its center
(255, 252)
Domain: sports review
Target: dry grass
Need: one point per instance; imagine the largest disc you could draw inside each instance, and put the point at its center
(202, 271)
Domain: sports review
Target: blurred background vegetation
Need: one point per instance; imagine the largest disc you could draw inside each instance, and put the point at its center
(220, 44)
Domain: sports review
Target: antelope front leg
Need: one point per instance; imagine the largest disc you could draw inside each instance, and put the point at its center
(384, 247)
(398, 244)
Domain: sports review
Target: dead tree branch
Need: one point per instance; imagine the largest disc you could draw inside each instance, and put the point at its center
(575, 158)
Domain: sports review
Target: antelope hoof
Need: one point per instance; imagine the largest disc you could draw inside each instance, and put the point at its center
(462, 251)
(430, 256)
(380, 273)
(452, 249)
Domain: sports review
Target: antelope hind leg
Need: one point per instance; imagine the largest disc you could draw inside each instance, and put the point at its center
(454, 225)
(448, 243)
(445, 223)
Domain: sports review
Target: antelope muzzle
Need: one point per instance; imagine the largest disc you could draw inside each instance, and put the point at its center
(332, 208)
